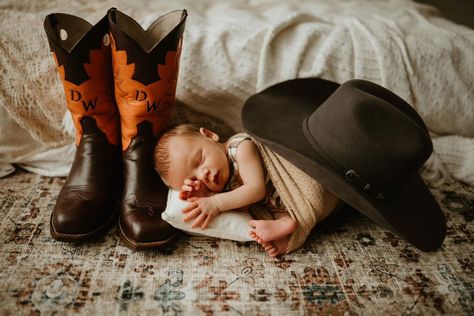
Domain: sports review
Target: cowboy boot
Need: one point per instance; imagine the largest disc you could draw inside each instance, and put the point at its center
(86, 205)
(145, 65)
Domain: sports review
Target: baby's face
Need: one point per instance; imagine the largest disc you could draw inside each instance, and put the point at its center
(198, 158)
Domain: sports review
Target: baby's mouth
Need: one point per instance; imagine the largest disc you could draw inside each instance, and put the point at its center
(215, 178)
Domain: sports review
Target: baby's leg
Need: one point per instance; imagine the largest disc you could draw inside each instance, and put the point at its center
(274, 235)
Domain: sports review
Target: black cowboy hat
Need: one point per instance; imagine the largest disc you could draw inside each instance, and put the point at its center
(361, 142)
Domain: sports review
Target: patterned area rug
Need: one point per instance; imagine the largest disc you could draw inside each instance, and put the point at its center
(348, 266)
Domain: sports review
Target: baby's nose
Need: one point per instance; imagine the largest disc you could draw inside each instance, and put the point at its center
(205, 174)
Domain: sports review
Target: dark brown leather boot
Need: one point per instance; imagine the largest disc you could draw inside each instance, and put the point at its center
(145, 67)
(86, 205)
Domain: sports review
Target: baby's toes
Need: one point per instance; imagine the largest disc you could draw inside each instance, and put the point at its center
(268, 247)
(263, 241)
(254, 236)
(273, 252)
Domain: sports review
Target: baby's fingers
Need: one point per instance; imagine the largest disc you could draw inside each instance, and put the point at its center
(206, 222)
(183, 195)
(186, 188)
(193, 214)
(189, 208)
(197, 185)
(199, 220)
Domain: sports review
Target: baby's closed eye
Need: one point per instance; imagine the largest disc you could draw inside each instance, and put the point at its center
(199, 158)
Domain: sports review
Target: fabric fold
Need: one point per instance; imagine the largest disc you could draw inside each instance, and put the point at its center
(307, 201)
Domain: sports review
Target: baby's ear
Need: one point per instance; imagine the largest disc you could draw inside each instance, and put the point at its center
(209, 134)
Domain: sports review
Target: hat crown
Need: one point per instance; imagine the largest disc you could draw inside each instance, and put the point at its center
(370, 135)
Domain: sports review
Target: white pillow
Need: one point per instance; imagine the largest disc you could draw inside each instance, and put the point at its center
(232, 225)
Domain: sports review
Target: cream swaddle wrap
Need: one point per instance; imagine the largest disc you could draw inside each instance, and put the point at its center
(305, 199)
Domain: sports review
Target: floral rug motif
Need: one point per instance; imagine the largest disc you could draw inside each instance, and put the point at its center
(348, 266)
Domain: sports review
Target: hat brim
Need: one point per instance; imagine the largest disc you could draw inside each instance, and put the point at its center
(275, 118)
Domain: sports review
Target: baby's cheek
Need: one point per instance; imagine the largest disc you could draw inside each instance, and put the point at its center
(225, 178)
(220, 187)
(210, 188)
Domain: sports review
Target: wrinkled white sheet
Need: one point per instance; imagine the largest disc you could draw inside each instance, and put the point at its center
(18, 147)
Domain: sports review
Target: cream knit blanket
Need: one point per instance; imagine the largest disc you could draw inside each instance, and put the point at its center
(304, 198)
(233, 49)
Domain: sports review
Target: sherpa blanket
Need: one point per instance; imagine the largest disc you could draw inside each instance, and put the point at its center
(307, 201)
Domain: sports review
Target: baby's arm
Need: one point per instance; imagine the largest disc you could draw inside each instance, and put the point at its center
(203, 210)
(251, 172)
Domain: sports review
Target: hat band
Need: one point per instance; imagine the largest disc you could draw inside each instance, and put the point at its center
(351, 175)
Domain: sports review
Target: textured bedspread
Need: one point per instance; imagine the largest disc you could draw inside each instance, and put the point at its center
(235, 48)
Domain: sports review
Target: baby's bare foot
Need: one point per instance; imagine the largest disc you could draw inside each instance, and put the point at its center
(265, 245)
(269, 230)
(256, 238)
(272, 248)
(280, 246)
(276, 247)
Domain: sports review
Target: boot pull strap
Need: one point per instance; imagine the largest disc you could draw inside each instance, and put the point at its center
(53, 22)
(113, 14)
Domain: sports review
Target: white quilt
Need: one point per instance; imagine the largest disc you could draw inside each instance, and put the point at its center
(233, 49)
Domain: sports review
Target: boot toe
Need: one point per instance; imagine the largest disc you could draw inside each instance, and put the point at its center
(78, 218)
(146, 229)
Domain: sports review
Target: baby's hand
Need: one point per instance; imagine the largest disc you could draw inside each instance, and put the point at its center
(192, 188)
(203, 209)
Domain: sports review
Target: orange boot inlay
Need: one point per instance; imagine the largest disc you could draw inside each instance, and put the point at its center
(138, 102)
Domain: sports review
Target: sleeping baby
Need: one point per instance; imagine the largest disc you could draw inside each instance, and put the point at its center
(216, 177)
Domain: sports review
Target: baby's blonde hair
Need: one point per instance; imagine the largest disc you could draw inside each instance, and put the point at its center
(161, 155)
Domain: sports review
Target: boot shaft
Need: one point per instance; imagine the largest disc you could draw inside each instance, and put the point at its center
(83, 59)
(145, 65)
